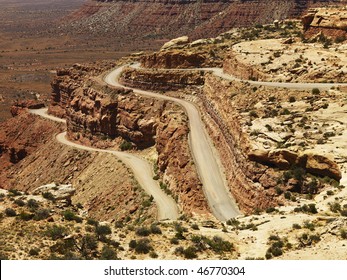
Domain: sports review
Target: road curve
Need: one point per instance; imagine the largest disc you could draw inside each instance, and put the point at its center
(223, 206)
(167, 207)
(219, 73)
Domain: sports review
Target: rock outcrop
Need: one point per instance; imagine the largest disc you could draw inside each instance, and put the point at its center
(104, 116)
(158, 20)
(21, 106)
(161, 80)
(56, 191)
(330, 22)
(285, 159)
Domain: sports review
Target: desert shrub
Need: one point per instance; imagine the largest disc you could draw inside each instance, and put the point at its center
(14, 192)
(253, 114)
(155, 229)
(48, 196)
(26, 216)
(190, 252)
(19, 202)
(102, 230)
(125, 146)
(308, 240)
(174, 241)
(71, 216)
(291, 99)
(34, 252)
(296, 226)
(287, 195)
(119, 224)
(107, 253)
(270, 210)
(132, 244)
(219, 245)
(41, 214)
(143, 246)
(89, 242)
(311, 208)
(142, 231)
(335, 207)
(274, 238)
(309, 225)
(343, 213)
(92, 222)
(10, 212)
(343, 234)
(195, 227)
(3, 256)
(33, 204)
(315, 91)
(153, 255)
(56, 232)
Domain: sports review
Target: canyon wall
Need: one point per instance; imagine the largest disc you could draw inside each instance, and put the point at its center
(161, 19)
(107, 117)
(330, 22)
(161, 79)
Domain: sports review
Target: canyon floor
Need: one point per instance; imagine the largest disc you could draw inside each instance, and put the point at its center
(281, 151)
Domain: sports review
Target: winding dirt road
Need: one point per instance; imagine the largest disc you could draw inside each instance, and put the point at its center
(222, 204)
(167, 207)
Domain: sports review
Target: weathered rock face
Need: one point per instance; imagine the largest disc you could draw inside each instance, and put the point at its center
(162, 19)
(21, 106)
(96, 112)
(175, 162)
(251, 185)
(233, 66)
(175, 59)
(331, 22)
(284, 159)
(57, 192)
(19, 137)
(161, 80)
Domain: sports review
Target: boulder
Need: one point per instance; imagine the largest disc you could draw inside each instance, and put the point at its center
(59, 192)
(176, 42)
(284, 159)
(321, 166)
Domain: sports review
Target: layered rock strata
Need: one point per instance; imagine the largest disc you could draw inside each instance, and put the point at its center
(103, 116)
(330, 22)
(152, 79)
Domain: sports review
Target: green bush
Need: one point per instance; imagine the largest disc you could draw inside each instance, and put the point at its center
(19, 202)
(26, 216)
(155, 229)
(132, 244)
(34, 252)
(143, 246)
(102, 230)
(10, 212)
(33, 204)
(315, 91)
(190, 252)
(142, 231)
(195, 227)
(107, 253)
(14, 192)
(125, 146)
(48, 196)
(41, 214)
(56, 232)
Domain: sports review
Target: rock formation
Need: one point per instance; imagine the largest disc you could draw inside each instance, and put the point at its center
(156, 20)
(56, 191)
(330, 22)
(284, 159)
(105, 116)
